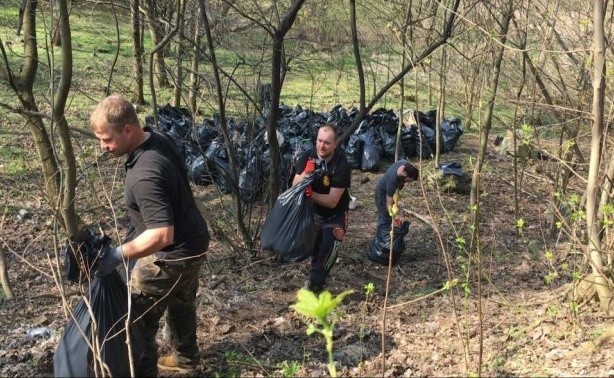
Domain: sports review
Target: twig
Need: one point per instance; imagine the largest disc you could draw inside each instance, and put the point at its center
(423, 218)
(420, 298)
(254, 358)
(4, 277)
(522, 190)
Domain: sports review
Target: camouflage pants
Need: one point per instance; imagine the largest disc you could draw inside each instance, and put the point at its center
(158, 287)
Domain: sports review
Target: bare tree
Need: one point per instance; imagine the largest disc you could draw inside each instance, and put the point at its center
(450, 16)
(227, 142)
(276, 27)
(155, 14)
(157, 52)
(58, 160)
(137, 54)
(595, 253)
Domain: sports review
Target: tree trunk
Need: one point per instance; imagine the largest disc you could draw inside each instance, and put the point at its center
(137, 54)
(158, 48)
(157, 36)
(485, 129)
(276, 83)
(59, 172)
(224, 129)
(594, 250)
(69, 181)
(194, 80)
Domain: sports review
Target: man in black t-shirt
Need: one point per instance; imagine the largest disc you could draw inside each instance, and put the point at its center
(331, 198)
(397, 175)
(171, 234)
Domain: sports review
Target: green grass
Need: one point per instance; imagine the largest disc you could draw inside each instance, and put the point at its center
(318, 77)
(12, 161)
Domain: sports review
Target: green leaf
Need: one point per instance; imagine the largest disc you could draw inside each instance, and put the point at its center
(310, 329)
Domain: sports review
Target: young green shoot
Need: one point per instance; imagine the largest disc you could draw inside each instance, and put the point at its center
(320, 308)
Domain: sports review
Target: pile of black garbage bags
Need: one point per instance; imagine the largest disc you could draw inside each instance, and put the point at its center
(207, 161)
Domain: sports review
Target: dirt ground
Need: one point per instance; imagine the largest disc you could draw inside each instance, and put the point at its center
(508, 318)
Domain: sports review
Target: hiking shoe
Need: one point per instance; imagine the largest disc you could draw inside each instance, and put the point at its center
(171, 363)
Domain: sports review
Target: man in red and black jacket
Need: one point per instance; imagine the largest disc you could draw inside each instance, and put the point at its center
(331, 198)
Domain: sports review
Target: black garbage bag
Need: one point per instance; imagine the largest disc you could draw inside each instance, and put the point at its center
(451, 132)
(199, 171)
(289, 230)
(451, 168)
(353, 151)
(250, 180)
(429, 135)
(81, 254)
(379, 250)
(218, 161)
(409, 141)
(389, 142)
(371, 160)
(204, 134)
(108, 299)
(423, 148)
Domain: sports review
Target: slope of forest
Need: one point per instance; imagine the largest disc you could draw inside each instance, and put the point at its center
(499, 304)
(522, 323)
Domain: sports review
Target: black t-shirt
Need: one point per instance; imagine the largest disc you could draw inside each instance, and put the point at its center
(158, 194)
(390, 181)
(337, 175)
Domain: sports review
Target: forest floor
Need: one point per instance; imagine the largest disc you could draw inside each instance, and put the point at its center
(509, 318)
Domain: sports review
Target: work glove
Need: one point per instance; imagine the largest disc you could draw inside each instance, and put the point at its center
(310, 166)
(308, 191)
(110, 259)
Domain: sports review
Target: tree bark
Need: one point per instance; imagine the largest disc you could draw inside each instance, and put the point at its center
(488, 117)
(234, 177)
(137, 54)
(278, 36)
(157, 36)
(594, 249)
(4, 277)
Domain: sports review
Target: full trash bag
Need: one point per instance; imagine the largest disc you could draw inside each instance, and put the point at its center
(370, 161)
(108, 299)
(451, 131)
(289, 230)
(102, 328)
(379, 250)
(353, 151)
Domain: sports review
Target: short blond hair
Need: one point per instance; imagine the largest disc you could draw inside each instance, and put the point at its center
(114, 112)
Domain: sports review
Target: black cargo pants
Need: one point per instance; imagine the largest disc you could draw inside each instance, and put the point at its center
(331, 233)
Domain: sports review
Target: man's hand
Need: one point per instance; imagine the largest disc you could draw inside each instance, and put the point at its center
(110, 259)
(308, 191)
(310, 166)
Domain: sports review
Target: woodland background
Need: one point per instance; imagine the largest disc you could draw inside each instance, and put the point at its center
(512, 277)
